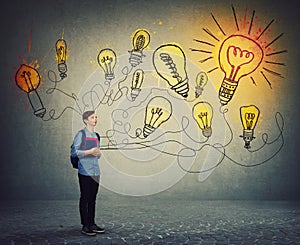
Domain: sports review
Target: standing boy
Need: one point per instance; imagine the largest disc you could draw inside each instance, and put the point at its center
(88, 173)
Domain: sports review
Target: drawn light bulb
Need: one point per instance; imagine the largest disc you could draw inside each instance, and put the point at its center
(107, 60)
(28, 79)
(249, 116)
(201, 81)
(158, 111)
(140, 41)
(137, 80)
(61, 56)
(239, 56)
(170, 63)
(203, 114)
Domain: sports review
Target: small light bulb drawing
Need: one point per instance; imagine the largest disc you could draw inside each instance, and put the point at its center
(28, 79)
(249, 117)
(201, 81)
(137, 80)
(203, 114)
(158, 111)
(140, 41)
(61, 56)
(170, 63)
(239, 56)
(107, 60)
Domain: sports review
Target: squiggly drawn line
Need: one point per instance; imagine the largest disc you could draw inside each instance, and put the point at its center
(265, 140)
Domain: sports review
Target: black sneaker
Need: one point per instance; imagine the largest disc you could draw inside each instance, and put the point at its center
(87, 231)
(97, 229)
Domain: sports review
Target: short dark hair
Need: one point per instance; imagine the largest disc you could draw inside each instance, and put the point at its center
(86, 114)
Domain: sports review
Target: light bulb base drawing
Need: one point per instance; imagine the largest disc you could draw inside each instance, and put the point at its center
(247, 137)
(36, 104)
(109, 76)
(182, 88)
(207, 132)
(134, 93)
(227, 90)
(136, 57)
(198, 91)
(62, 68)
(40, 112)
(148, 129)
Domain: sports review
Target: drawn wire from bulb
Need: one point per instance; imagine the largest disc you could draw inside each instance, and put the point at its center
(221, 149)
(138, 145)
(109, 95)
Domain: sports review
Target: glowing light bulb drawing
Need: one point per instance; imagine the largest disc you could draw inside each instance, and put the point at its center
(238, 57)
(201, 81)
(158, 111)
(249, 116)
(28, 79)
(203, 114)
(137, 80)
(107, 60)
(140, 41)
(170, 63)
(61, 56)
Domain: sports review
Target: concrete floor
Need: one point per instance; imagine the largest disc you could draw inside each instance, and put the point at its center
(149, 220)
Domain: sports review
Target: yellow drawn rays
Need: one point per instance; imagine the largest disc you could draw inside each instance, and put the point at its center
(245, 26)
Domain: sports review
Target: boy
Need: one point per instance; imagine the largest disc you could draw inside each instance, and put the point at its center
(88, 173)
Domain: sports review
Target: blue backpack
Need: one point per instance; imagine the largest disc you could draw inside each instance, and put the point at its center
(73, 156)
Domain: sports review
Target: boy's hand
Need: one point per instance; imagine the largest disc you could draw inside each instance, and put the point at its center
(95, 152)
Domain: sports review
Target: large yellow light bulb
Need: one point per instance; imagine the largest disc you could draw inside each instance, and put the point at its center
(107, 60)
(158, 111)
(170, 63)
(61, 56)
(203, 114)
(249, 117)
(239, 56)
(140, 41)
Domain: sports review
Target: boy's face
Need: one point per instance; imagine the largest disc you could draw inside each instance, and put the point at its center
(91, 120)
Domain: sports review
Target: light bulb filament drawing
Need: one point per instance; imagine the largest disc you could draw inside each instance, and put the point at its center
(249, 120)
(237, 58)
(107, 61)
(203, 118)
(170, 64)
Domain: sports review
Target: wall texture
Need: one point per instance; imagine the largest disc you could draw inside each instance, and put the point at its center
(35, 151)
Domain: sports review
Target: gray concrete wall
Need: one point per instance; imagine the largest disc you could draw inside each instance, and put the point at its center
(35, 151)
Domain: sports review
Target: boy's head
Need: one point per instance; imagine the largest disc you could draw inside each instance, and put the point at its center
(86, 115)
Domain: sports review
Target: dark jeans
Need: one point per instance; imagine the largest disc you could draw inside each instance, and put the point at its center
(89, 186)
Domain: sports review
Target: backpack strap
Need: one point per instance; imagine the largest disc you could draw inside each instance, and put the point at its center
(98, 136)
(82, 139)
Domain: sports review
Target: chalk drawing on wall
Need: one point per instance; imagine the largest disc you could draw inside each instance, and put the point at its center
(157, 127)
